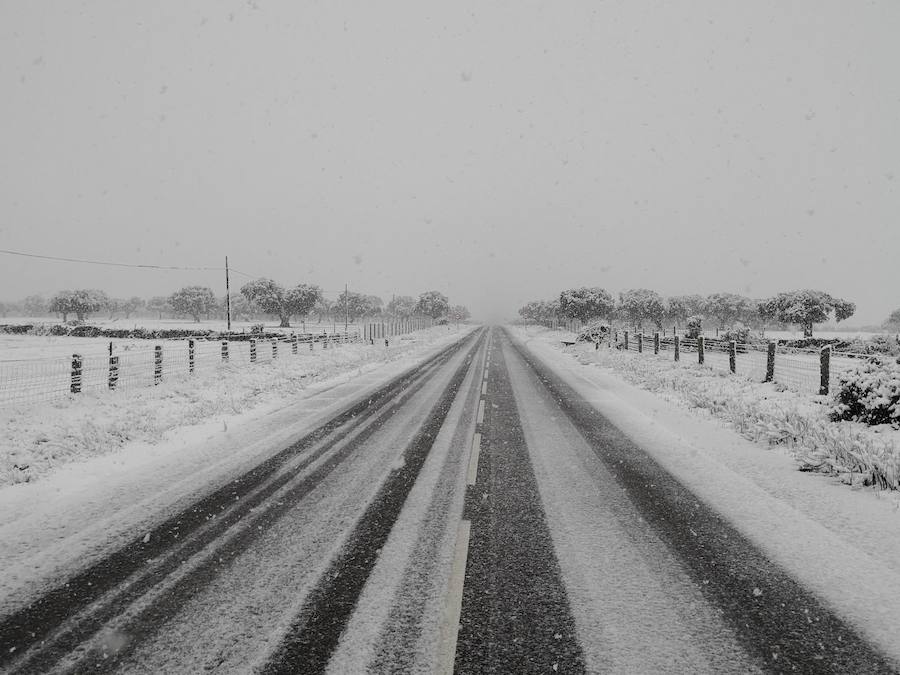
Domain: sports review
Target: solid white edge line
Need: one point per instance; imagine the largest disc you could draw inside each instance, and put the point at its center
(472, 475)
(449, 631)
(480, 419)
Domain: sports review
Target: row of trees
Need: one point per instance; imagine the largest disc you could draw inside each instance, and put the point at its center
(641, 306)
(256, 298)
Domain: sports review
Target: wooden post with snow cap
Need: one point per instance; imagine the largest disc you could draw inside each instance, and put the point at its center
(224, 350)
(656, 343)
(252, 351)
(770, 361)
(77, 363)
(701, 355)
(113, 372)
(191, 356)
(824, 369)
(293, 343)
(732, 356)
(274, 348)
(677, 347)
(157, 364)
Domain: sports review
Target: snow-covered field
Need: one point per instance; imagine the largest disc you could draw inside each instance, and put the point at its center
(38, 437)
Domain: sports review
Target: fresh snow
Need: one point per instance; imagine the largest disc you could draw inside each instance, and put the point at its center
(112, 489)
(844, 544)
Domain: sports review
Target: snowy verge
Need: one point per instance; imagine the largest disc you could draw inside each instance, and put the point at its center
(817, 529)
(84, 508)
(38, 438)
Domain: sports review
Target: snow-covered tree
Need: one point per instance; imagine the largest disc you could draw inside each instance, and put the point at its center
(193, 300)
(640, 304)
(351, 306)
(586, 303)
(82, 303)
(35, 305)
(893, 321)
(808, 307)
(727, 308)
(159, 304)
(433, 304)
(401, 307)
(680, 307)
(272, 298)
(459, 313)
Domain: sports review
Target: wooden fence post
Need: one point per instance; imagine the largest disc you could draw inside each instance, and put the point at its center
(157, 364)
(626, 340)
(732, 356)
(224, 350)
(190, 356)
(640, 343)
(113, 371)
(656, 343)
(677, 347)
(700, 350)
(274, 349)
(252, 351)
(293, 343)
(824, 369)
(770, 362)
(77, 364)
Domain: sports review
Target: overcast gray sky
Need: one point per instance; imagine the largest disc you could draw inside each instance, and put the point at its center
(497, 151)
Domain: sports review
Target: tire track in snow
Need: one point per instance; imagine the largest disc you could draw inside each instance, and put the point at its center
(773, 617)
(42, 633)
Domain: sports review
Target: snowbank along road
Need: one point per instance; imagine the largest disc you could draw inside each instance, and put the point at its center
(475, 514)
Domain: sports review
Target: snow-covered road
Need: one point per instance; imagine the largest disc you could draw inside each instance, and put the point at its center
(499, 508)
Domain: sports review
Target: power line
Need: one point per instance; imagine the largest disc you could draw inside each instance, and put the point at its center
(116, 264)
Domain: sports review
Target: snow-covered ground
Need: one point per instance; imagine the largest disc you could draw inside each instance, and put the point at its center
(844, 544)
(110, 468)
(36, 438)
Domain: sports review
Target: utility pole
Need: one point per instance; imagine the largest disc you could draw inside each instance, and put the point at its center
(227, 295)
(346, 308)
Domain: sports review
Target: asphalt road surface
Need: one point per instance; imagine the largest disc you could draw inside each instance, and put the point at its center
(473, 515)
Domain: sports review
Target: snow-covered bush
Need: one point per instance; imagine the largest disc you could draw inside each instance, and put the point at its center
(738, 333)
(869, 393)
(694, 327)
(593, 332)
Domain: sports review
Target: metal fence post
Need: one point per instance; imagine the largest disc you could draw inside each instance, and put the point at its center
(732, 356)
(75, 386)
(656, 343)
(157, 364)
(252, 351)
(677, 347)
(190, 356)
(113, 371)
(824, 369)
(770, 362)
(700, 351)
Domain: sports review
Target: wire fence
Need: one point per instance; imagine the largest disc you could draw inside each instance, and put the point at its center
(129, 369)
(812, 371)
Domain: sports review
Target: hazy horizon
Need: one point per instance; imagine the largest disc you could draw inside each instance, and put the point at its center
(496, 152)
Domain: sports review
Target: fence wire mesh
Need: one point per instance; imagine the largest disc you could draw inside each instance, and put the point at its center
(133, 367)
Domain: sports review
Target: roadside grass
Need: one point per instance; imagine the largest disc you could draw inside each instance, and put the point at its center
(765, 413)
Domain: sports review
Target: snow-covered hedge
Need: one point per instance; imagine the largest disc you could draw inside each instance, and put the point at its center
(869, 393)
